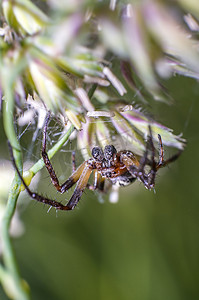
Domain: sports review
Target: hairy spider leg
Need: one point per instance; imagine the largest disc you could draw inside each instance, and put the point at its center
(35, 196)
(131, 163)
(162, 162)
(144, 159)
(71, 180)
(81, 185)
(46, 160)
(99, 182)
(161, 152)
(148, 179)
(136, 168)
(169, 160)
(152, 173)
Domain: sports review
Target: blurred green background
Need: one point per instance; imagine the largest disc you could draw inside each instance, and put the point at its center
(144, 247)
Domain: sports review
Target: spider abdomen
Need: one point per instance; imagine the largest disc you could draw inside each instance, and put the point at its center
(123, 180)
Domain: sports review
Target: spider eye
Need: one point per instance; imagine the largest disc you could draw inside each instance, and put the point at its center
(97, 153)
(109, 152)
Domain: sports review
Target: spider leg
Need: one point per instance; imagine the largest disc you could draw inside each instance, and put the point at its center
(72, 179)
(144, 159)
(169, 160)
(81, 185)
(35, 196)
(162, 162)
(131, 163)
(148, 179)
(99, 182)
(161, 152)
(136, 168)
(69, 182)
(46, 159)
(151, 175)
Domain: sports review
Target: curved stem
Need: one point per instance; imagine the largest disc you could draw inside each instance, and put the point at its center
(19, 291)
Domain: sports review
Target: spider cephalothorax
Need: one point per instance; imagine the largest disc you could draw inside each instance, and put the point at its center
(119, 168)
(109, 164)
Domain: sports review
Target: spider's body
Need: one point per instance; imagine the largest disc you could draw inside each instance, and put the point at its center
(120, 168)
(123, 180)
(111, 166)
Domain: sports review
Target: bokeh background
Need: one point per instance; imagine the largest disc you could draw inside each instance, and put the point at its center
(144, 247)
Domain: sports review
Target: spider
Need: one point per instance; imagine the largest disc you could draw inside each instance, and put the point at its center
(120, 168)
